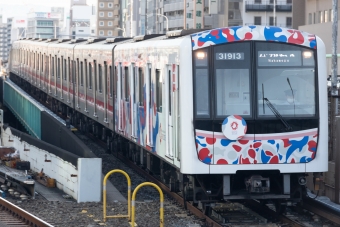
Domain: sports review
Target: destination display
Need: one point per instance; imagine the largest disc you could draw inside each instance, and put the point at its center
(230, 56)
(279, 58)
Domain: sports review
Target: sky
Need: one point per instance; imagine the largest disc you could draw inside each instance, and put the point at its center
(20, 8)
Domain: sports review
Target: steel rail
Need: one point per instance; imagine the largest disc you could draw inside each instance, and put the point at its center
(19, 213)
(322, 210)
(266, 211)
(199, 214)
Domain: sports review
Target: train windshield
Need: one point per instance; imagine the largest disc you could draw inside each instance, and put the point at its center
(232, 79)
(285, 79)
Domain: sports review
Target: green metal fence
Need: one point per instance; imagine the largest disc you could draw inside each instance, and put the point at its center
(24, 108)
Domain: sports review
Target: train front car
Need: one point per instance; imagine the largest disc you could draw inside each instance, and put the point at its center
(260, 113)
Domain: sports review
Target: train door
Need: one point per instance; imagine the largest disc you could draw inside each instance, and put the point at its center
(171, 78)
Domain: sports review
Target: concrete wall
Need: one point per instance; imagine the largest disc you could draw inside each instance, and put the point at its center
(82, 182)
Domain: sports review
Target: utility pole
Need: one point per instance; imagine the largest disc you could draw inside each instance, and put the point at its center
(335, 156)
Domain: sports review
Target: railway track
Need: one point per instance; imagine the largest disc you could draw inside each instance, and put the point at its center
(322, 210)
(222, 214)
(11, 215)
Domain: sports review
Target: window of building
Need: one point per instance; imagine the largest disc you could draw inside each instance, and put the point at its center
(326, 16)
(109, 14)
(101, 23)
(258, 1)
(321, 16)
(331, 15)
(257, 20)
(310, 18)
(110, 5)
(101, 32)
(289, 1)
(271, 21)
(288, 22)
(109, 23)
(109, 32)
(101, 14)
(101, 4)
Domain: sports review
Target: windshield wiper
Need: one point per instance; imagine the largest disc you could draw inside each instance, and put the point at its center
(277, 114)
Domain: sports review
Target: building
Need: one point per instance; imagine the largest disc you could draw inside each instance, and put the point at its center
(319, 21)
(80, 21)
(42, 25)
(16, 29)
(152, 16)
(108, 18)
(284, 13)
(3, 42)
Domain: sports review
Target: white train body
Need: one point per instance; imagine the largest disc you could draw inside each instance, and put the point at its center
(184, 98)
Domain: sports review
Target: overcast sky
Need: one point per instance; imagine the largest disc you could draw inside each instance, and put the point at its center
(20, 8)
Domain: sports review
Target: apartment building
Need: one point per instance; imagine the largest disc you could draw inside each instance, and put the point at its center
(108, 17)
(282, 13)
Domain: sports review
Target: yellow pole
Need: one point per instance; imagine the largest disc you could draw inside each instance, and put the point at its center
(161, 209)
(129, 195)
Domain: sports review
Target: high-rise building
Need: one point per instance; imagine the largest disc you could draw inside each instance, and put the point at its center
(3, 42)
(42, 25)
(108, 18)
(16, 28)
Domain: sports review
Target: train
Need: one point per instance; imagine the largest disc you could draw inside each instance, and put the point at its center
(229, 113)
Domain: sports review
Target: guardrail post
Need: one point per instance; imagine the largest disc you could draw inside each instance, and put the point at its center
(129, 195)
(161, 209)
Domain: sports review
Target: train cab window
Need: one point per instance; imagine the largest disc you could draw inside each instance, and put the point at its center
(90, 76)
(100, 78)
(81, 74)
(141, 86)
(232, 79)
(126, 77)
(201, 80)
(286, 78)
(159, 86)
(111, 81)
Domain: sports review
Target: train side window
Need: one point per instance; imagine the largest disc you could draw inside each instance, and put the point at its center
(126, 76)
(121, 80)
(90, 76)
(169, 76)
(86, 69)
(69, 70)
(81, 74)
(47, 64)
(150, 85)
(105, 78)
(73, 64)
(115, 87)
(77, 72)
(141, 86)
(52, 67)
(100, 78)
(42, 63)
(95, 75)
(134, 82)
(64, 68)
(159, 90)
(58, 68)
(111, 81)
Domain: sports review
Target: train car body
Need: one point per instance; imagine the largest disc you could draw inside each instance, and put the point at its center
(229, 113)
